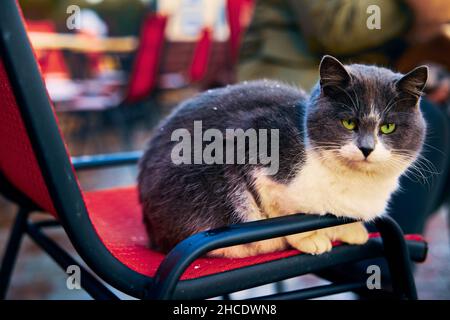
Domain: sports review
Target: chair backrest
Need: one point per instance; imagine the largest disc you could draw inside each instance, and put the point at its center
(200, 58)
(33, 156)
(145, 67)
(29, 135)
(18, 162)
(237, 10)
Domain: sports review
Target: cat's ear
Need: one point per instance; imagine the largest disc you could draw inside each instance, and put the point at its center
(413, 82)
(333, 75)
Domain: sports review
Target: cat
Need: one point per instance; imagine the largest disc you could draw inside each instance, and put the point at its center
(341, 151)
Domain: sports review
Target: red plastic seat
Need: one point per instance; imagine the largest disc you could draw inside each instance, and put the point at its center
(117, 218)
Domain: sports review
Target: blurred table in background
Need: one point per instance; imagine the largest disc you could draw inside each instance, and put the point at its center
(82, 43)
(103, 91)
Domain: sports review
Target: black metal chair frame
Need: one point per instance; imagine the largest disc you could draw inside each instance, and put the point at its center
(57, 171)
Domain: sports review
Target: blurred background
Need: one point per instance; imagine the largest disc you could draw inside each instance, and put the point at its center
(114, 68)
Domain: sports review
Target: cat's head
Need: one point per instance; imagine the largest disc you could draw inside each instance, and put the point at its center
(366, 118)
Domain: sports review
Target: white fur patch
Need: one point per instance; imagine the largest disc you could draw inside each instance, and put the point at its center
(379, 154)
(335, 189)
(351, 152)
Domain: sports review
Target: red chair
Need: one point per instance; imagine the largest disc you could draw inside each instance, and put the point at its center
(200, 58)
(105, 226)
(145, 68)
(236, 11)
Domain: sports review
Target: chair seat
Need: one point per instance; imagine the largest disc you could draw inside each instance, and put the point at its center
(117, 218)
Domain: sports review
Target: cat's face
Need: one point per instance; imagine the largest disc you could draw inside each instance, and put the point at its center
(366, 118)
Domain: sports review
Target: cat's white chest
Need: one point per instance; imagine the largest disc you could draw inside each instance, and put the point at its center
(318, 189)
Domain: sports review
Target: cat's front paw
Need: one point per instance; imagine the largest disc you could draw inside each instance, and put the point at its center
(353, 233)
(316, 243)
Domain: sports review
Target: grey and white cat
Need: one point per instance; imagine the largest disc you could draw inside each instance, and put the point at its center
(342, 150)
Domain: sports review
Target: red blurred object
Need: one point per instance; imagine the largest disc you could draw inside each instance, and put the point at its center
(17, 161)
(239, 14)
(200, 59)
(51, 61)
(147, 61)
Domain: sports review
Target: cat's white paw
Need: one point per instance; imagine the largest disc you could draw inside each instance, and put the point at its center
(354, 233)
(316, 243)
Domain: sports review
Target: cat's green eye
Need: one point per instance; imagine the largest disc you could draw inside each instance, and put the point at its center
(349, 124)
(387, 128)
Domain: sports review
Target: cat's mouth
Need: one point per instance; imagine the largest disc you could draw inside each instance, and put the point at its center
(363, 164)
(388, 165)
(385, 164)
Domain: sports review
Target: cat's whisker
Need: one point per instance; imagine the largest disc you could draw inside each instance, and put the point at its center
(420, 159)
(421, 168)
(389, 103)
(414, 170)
(391, 100)
(345, 105)
(356, 98)
(417, 175)
(429, 166)
(325, 146)
(434, 148)
(389, 107)
(355, 106)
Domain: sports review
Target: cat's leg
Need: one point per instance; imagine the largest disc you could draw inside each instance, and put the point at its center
(245, 204)
(250, 249)
(276, 202)
(352, 233)
(312, 242)
(239, 251)
(320, 241)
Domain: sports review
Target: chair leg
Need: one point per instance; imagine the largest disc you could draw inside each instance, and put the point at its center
(94, 287)
(12, 249)
(397, 256)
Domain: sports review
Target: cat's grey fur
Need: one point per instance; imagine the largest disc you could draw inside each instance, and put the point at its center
(179, 200)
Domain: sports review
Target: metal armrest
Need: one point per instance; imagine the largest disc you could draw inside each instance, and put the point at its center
(106, 160)
(188, 250)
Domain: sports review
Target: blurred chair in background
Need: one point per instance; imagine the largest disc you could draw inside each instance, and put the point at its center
(145, 69)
